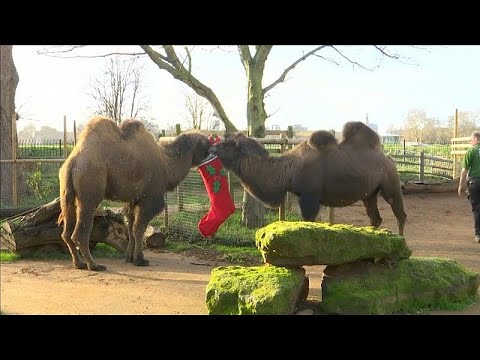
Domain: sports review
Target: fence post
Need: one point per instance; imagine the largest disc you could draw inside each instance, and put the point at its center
(74, 133)
(455, 134)
(14, 158)
(331, 211)
(422, 166)
(281, 209)
(290, 134)
(65, 155)
(165, 212)
(180, 197)
(230, 186)
(178, 129)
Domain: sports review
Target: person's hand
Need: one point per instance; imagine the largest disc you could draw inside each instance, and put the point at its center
(461, 189)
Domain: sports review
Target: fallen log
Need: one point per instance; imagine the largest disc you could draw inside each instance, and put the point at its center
(38, 230)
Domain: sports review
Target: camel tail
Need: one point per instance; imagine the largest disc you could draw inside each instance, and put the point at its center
(67, 191)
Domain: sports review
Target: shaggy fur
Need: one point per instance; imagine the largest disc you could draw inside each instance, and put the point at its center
(319, 171)
(123, 163)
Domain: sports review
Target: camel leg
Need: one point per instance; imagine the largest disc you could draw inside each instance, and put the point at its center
(309, 206)
(371, 207)
(129, 213)
(68, 228)
(81, 234)
(396, 203)
(144, 212)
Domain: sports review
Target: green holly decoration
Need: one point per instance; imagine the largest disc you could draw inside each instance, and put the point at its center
(216, 186)
(223, 172)
(211, 170)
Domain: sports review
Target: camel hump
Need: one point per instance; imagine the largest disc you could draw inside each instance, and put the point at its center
(358, 133)
(131, 127)
(322, 140)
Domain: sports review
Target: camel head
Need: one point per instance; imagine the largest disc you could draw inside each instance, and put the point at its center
(194, 142)
(236, 147)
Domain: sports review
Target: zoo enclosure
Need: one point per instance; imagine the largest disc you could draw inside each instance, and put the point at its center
(189, 202)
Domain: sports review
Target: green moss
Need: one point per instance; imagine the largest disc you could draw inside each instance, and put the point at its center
(236, 290)
(298, 243)
(414, 285)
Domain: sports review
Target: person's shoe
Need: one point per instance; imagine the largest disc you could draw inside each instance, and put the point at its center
(477, 238)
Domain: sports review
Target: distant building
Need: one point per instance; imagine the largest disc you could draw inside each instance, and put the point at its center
(275, 127)
(373, 126)
(390, 138)
(299, 127)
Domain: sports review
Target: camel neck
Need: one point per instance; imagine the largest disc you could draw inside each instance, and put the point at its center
(267, 178)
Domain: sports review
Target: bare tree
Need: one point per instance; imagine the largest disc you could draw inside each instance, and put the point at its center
(417, 125)
(468, 121)
(8, 86)
(178, 62)
(200, 114)
(117, 93)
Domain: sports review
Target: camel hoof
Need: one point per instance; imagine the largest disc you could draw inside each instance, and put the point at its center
(97, 268)
(141, 262)
(80, 265)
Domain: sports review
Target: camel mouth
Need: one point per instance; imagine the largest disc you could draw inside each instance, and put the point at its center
(213, 150)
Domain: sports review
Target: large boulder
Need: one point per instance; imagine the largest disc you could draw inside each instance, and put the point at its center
(414, 284)
(299, 243)
(258, 290)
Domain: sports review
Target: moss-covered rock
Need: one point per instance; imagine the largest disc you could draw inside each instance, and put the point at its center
(299, 243)
(414, 284)
(257, 290)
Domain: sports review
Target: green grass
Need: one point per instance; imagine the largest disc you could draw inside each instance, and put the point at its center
(231, 232)
(7, 256)
(232, 254)
(106, 251)
(100, 251)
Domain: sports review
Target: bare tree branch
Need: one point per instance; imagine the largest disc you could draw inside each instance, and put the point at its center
(261, 57)
(351, 61)
(116, 95)
(55, 51)
(287, 70)
(262, 53)
(245, 56)
(200, 114)
(189, 57)
(171, 64)
(384, 50)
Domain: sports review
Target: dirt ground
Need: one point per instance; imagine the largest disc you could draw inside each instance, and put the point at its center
(438, 225)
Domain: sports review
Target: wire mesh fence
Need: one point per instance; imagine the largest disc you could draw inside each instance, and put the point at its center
(189, 202)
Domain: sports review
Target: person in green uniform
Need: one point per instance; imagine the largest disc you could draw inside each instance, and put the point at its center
(471, 167)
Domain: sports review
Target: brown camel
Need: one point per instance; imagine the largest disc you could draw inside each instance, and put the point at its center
(320, 171)
(123, 163)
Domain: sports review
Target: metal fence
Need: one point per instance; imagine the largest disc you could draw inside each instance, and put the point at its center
(38, 164)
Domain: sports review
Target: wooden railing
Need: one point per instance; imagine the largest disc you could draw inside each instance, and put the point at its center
(459, 147)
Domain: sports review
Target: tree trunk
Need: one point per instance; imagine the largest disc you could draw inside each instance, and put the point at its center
(8, 86)
(253, 214)
(256, 114)
(38, 230)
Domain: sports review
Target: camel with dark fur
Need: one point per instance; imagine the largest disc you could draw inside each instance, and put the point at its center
(123, 163)
(320, 171)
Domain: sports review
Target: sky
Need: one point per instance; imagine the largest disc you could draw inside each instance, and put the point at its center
(317, 94)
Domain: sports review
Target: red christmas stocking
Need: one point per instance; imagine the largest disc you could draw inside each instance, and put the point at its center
(214, 177)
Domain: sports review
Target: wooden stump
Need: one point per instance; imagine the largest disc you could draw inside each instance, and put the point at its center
(38, 230)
